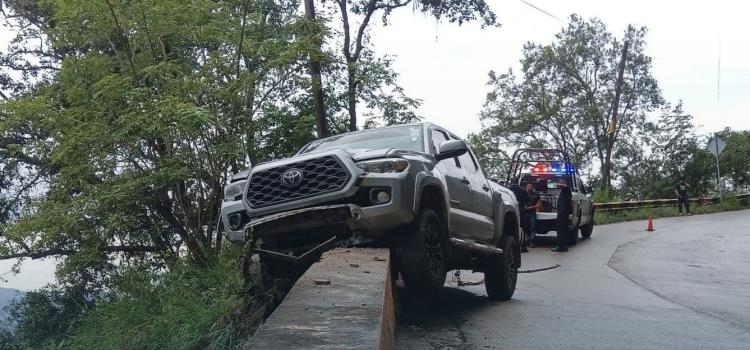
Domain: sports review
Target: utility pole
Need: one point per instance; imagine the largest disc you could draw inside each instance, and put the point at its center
(317, 83)
(718, 170)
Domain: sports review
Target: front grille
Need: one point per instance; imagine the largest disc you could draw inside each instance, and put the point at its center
(319, 176)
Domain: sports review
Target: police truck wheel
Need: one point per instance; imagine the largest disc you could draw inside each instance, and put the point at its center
(423, 254)
(573, 235)
(586, 231)
(501, 273)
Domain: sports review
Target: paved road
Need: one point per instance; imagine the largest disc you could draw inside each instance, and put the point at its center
(686, 286)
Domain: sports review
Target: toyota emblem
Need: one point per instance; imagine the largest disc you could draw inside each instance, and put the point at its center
(291, 177)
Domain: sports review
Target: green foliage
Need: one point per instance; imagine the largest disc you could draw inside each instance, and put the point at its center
(735, 160)
(115, 154)
(490, 154)
(605, 196)
(187, 307)
(153, 104)
(42, 318)
(652, 165)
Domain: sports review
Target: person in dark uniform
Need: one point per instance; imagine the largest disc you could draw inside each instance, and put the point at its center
(681, 190)
(564, 210)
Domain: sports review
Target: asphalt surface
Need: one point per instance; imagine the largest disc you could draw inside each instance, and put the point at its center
(684, 286)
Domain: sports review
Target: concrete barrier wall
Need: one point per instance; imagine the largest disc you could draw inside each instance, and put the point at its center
(344, 301)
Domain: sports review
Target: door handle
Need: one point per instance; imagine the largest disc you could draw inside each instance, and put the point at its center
(465, 181)
(485, 187)
(455, 202)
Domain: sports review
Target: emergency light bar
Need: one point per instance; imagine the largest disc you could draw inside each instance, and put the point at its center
(553, 168)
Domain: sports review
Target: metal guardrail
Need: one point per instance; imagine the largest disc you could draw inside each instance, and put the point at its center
(656, 203)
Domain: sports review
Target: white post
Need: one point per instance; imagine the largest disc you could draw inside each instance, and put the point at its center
(718, 170)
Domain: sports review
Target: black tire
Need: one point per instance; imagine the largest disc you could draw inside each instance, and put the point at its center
(573, 235)
(501, 273)
(423, 254)
(586, 231)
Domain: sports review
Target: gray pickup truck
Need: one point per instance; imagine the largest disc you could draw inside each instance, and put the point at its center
(416, 188)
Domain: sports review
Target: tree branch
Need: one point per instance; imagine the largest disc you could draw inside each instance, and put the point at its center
(60, 251)
(347, 36)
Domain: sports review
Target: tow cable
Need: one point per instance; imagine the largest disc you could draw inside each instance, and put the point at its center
(542, 269)
(461, 283)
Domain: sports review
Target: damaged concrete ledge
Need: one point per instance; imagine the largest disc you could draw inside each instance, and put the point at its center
(344, 301)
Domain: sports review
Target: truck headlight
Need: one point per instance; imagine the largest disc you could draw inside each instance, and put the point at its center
(233, 190)
(384, 165)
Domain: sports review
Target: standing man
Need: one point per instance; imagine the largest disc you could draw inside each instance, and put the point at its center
(681, 190)
(564, 210)
(534, 204)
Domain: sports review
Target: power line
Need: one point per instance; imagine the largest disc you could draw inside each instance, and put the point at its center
(718, 73)
(540, 10)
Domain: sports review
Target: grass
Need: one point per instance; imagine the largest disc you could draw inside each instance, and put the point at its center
(189, 307)
(729, 204)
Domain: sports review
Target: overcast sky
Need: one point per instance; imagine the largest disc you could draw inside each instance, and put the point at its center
(446, 65)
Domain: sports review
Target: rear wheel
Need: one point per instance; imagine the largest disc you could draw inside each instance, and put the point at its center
(501, 273)
(573, 235)
(586, 230)
(423, 254)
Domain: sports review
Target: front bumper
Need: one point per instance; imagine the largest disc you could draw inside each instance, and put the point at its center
(339, 220)
(371, 221)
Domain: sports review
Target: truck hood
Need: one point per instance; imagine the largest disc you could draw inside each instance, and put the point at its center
(365, 154)
(355, 154)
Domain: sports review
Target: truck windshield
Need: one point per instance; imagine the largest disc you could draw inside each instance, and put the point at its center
(402, 137)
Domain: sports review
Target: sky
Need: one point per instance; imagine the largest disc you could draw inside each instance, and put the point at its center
(34, 274)
(446, 65)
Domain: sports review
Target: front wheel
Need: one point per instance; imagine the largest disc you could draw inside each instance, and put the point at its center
(423, 255)
(501, 273)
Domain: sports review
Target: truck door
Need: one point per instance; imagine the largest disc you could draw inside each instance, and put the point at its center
(459, 191)
(482, 208)
(586, 204)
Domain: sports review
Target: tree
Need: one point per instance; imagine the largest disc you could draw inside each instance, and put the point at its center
(145, 112)
(565, 96)
(651, 164)
(735, 160)
(355, 44)
(489, 152)
(119, 124)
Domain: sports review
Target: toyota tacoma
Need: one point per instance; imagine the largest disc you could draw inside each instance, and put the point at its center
(416, 188)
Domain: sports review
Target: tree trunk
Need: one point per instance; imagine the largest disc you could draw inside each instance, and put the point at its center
(317, 83)
(612, 131)
(352, 96)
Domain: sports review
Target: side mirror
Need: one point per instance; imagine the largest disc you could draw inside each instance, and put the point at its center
(451, 149)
